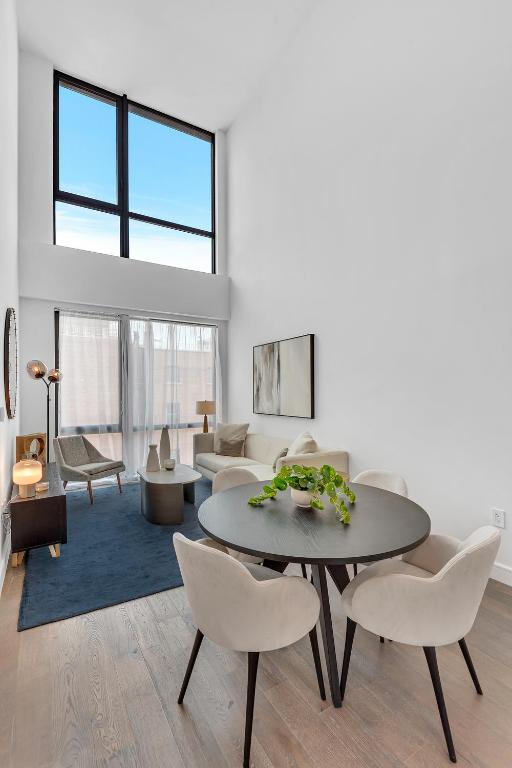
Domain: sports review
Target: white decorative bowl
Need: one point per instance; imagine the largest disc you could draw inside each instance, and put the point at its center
(169, 463)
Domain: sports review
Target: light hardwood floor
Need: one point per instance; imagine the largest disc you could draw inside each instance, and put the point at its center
(101, 689)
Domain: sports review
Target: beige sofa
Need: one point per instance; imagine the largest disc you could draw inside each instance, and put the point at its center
(260, 453)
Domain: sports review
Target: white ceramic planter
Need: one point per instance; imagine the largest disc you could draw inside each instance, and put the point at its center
(301, 498)
(153, 462)
(165, 446)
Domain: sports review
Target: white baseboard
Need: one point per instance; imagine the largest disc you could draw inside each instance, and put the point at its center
(502, 573)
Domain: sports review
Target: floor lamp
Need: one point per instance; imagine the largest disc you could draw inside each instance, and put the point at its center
(36, 369)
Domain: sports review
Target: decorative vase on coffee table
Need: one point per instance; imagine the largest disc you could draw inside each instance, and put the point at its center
(153, 462)
(301, 498)
(165, 446)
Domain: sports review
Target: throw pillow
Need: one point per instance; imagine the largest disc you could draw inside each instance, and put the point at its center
(229, 439)
(304, 443)
(279, 456)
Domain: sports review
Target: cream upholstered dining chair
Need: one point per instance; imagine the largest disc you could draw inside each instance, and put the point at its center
(243, 607)
(380, 478)
(231, 478)
(387, 481)
(429, 598)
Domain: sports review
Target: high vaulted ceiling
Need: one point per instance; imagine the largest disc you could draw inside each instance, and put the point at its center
(195, 59)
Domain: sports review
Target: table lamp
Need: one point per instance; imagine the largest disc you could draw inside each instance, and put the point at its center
(205, 408)
(26, 473)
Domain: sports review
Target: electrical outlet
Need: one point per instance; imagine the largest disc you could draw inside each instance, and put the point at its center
(498, 517)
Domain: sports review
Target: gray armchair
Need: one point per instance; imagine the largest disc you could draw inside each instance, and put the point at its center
(78, 460)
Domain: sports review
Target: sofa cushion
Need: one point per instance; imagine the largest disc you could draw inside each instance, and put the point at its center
(215, 462)
(229, 439)
(263, 448)
(304, 443)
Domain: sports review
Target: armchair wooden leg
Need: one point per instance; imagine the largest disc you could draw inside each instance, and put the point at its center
(251, 690)
(430, 654)
(89, 488)
(349, 639)
(469, 662)
(64, 483)
(190, 666)
(54, 550)
(119, 482)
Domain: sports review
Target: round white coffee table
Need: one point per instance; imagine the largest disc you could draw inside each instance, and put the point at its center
(163, 493)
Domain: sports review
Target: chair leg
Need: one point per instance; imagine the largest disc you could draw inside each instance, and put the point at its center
(64, 483)
(381, 639)
(313, 639)
(249, 712)
(430, 654)
(89, 488)
(119, 482)
(193, 656)
(354, 566)
(349, 639)
(469, 662)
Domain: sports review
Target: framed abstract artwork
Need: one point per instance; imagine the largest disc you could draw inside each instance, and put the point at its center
(283, 377)
(10, 362)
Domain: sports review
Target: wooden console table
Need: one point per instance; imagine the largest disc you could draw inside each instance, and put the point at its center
(40, 521)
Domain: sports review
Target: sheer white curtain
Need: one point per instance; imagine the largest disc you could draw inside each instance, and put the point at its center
(166, 368)
(127, 377)
(89, 393)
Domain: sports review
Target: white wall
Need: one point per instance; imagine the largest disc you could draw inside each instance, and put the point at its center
(8, 232)
(369, 198)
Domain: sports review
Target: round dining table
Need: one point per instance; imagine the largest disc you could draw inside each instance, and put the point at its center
(383, 525)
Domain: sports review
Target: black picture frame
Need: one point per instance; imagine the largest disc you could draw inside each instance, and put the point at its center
(308, 373)
(10, 362)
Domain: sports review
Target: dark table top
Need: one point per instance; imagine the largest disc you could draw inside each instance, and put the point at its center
(383, 524)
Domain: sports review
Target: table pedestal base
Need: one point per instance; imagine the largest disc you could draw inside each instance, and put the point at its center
(163, 504)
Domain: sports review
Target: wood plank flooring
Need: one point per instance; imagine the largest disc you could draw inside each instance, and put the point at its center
(100, 690)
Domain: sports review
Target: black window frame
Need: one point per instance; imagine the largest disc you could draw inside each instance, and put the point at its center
(121, 208)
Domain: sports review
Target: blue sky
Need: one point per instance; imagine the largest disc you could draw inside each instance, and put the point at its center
(169, 178)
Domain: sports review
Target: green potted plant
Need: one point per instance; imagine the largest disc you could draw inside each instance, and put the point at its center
(308, 485)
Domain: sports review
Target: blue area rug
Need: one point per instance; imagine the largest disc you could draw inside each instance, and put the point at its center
(113, 555)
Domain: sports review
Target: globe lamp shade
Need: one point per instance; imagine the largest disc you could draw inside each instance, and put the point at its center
(26, 473)
(54, 375)
(36, 369)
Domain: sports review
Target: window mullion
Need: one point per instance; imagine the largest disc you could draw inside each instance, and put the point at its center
(123, 176)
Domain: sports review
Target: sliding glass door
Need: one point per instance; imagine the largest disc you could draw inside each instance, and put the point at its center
(127, 377)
